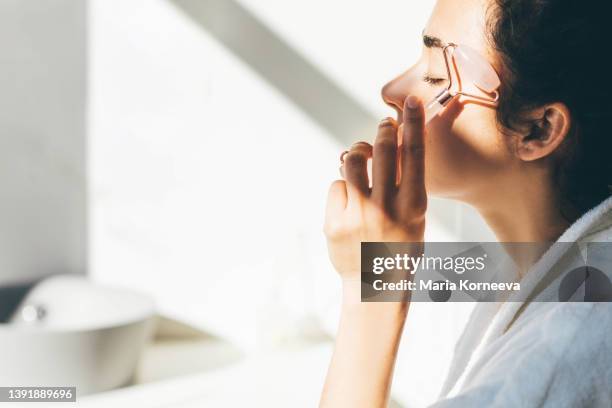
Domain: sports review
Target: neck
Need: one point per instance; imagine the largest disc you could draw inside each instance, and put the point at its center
(525, 210)
(525, 222)
(527, 213)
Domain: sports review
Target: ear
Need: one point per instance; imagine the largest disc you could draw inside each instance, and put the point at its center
(550, 127)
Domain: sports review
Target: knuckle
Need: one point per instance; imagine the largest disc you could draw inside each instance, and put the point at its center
(414, 149)
(415, 228)
(386, 144)
(418, 204)
(352, 226)
(332, 229)
(338, 229)
(413, 210)
(414, 119)
(419, 208)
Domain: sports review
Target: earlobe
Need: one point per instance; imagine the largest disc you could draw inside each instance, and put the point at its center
(550, 128)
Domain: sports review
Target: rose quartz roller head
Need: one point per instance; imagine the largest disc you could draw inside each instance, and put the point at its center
(474, 68)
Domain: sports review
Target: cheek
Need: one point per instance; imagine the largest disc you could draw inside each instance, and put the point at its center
(465, 152)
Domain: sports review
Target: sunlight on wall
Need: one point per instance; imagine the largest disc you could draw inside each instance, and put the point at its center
(206, 183)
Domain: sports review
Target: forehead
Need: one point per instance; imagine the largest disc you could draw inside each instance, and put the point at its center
(460, 22)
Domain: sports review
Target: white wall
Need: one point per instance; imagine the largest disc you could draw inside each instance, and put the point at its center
(42, 138)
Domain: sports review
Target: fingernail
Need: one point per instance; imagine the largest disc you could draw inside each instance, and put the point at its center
(386, 122)
(344, 153)
(412, 102)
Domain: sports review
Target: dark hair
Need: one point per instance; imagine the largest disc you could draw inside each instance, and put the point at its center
(548, 50)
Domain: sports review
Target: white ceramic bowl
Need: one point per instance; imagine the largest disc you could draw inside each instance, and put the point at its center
(71, 332)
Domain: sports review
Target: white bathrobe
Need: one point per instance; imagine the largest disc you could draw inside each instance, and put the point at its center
(538, 354)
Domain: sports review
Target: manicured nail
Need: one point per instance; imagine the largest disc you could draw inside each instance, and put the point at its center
(412, 102)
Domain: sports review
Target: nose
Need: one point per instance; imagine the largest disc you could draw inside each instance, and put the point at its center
(395, 91)
(391, 97)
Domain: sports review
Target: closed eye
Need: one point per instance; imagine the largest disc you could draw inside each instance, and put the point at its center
(432, 80)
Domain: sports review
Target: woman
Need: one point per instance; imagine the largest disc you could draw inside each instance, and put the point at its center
(535, 165)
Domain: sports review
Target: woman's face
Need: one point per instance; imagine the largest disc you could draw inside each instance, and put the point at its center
(466, 156)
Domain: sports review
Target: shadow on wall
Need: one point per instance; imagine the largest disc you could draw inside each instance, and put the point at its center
(281, 66)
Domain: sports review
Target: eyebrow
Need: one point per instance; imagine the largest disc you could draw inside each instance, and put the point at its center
(432, 42)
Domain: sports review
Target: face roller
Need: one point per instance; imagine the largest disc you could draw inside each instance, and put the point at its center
(474, 68)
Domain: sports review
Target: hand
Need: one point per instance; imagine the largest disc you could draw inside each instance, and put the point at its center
(393, 209)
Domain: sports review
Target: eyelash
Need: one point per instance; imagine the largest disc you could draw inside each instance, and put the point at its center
(433, 81)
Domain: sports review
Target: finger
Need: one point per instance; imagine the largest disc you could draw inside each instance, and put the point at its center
(336, 204)
(355, 170)
(412, 183)
(336, 200)
(384, 162)
(400, 133)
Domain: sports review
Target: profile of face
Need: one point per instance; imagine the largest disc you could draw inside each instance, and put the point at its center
(466, 155)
